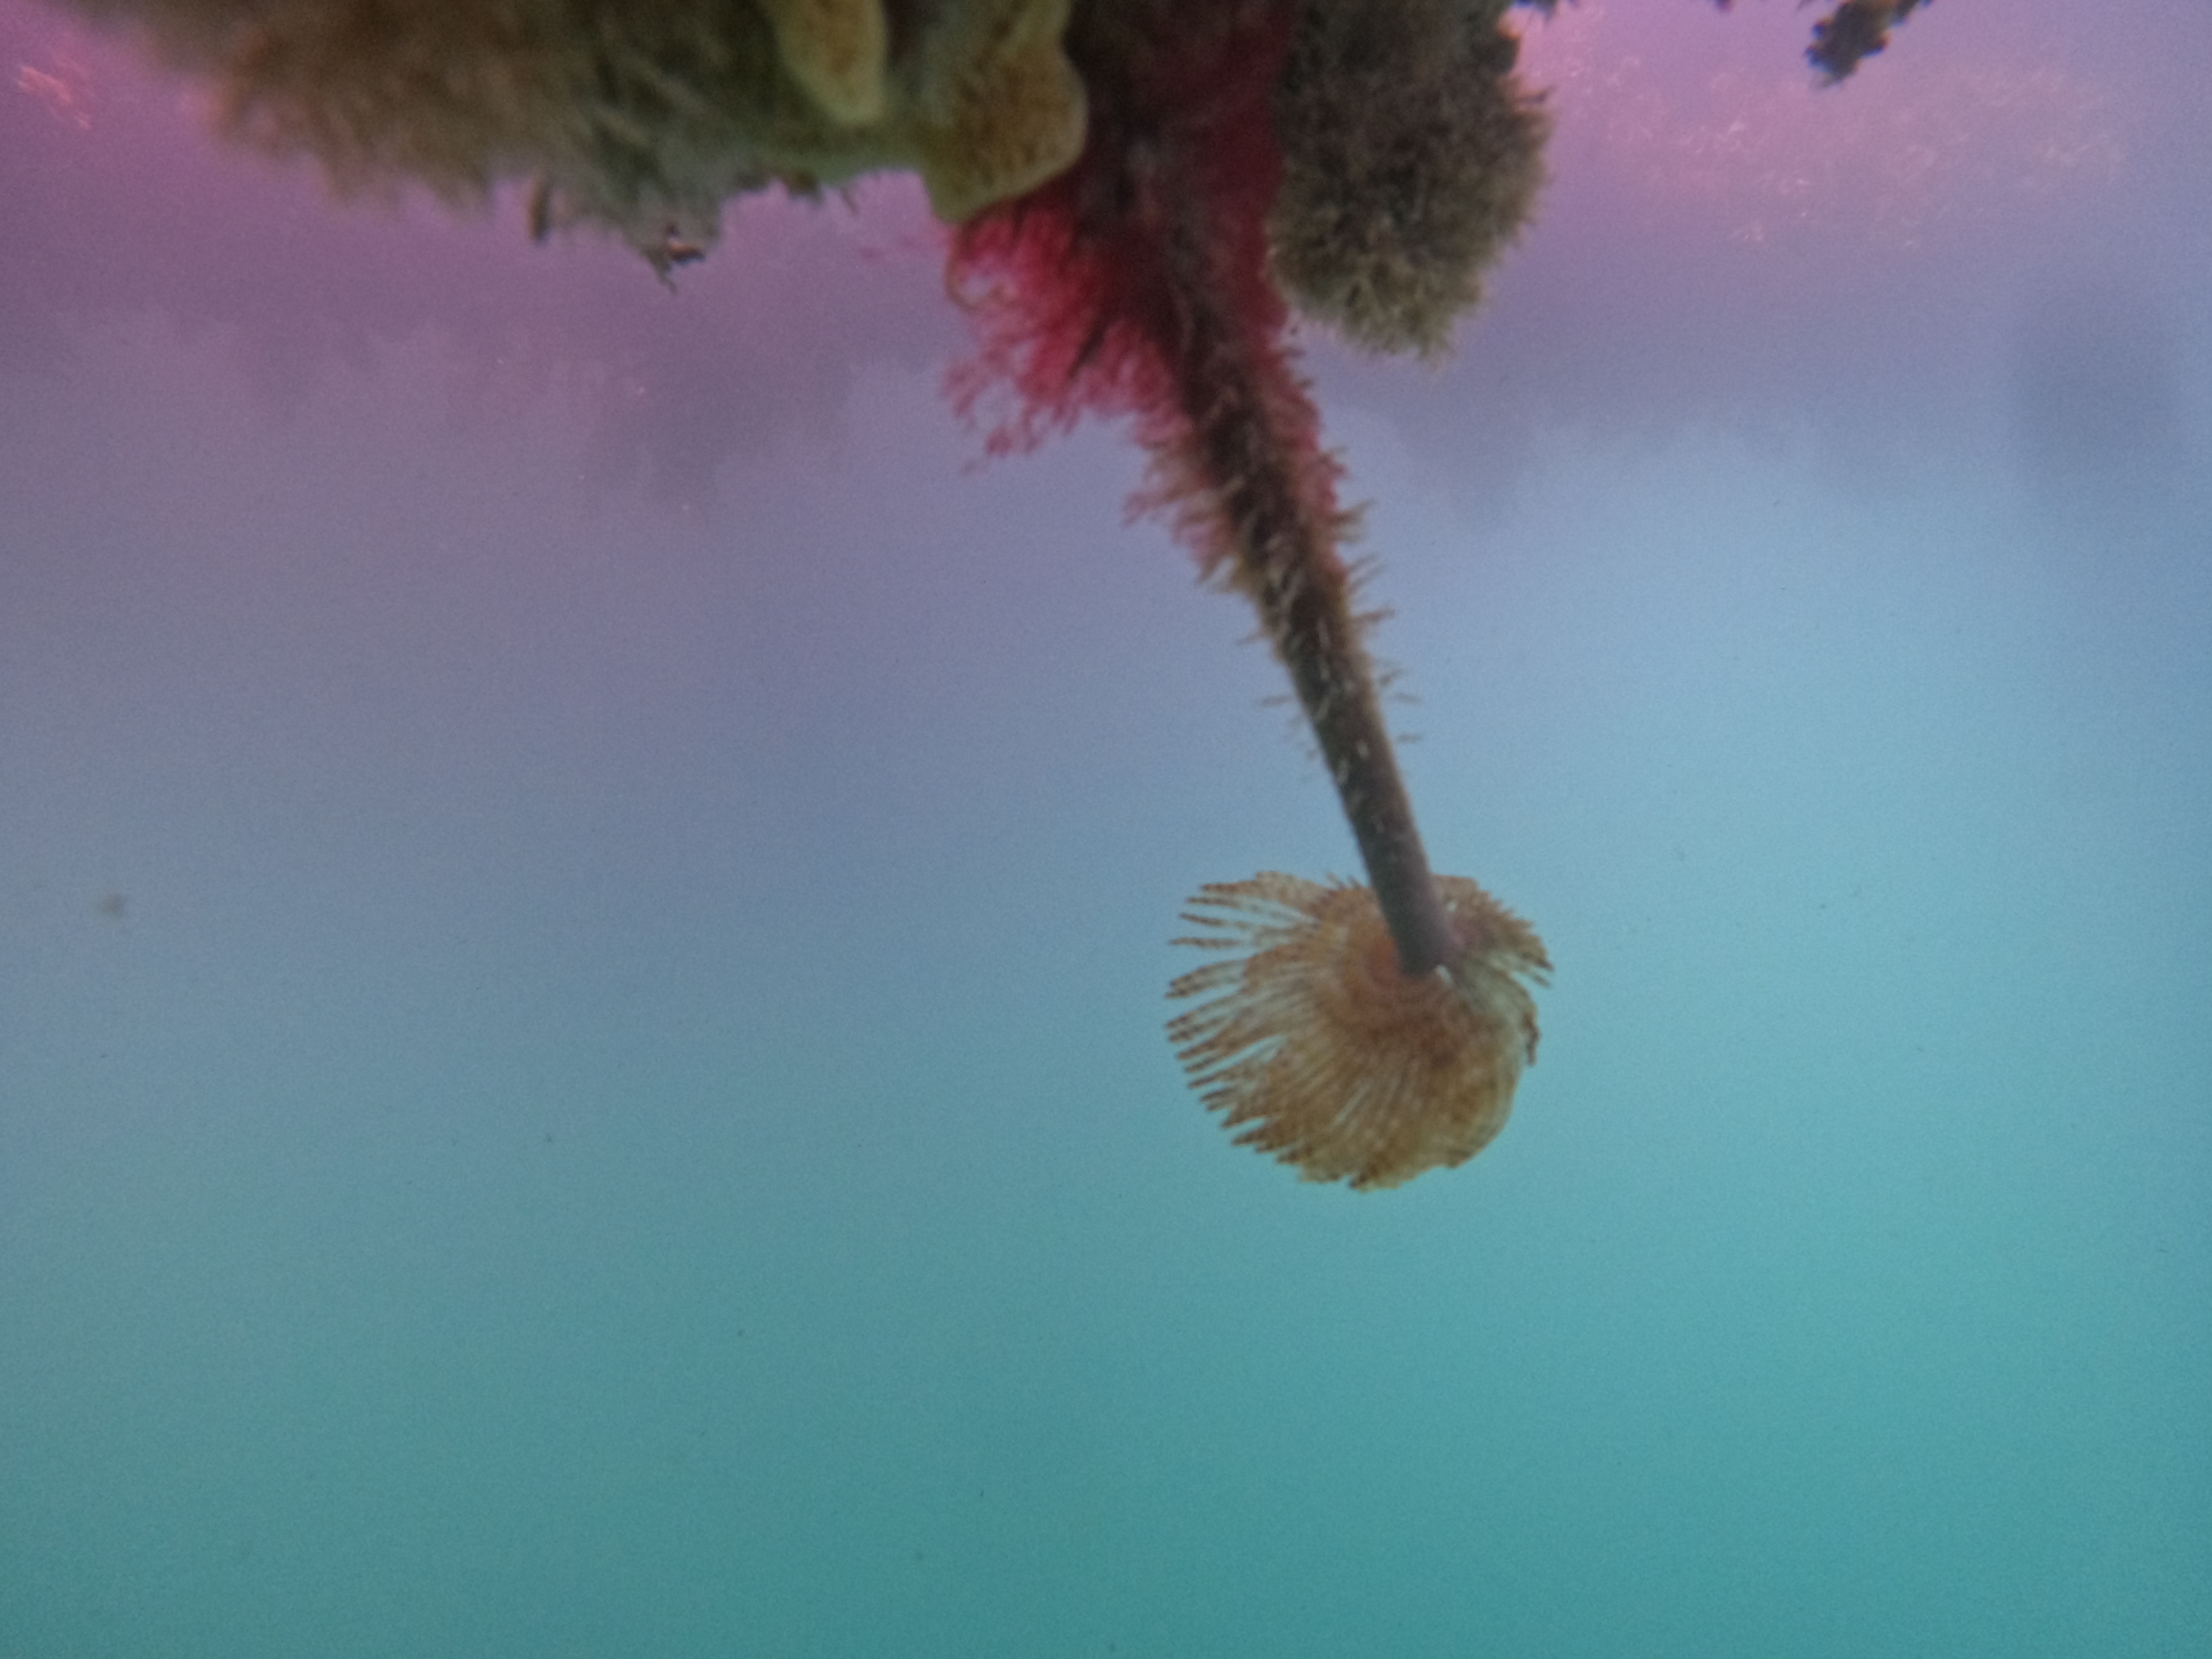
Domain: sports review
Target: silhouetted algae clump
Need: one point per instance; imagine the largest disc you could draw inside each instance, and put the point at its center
(1855, 30)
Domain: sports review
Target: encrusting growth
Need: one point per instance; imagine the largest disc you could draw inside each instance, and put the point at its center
(1411, 158)
(644, 116)
(1142, 188)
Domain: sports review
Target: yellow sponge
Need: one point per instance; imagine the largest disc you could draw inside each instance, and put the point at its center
(837, 50)
(998, 108)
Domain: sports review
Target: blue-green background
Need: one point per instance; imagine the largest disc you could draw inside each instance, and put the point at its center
(583, 907)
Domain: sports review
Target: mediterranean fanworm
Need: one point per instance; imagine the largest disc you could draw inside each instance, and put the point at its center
(1364, 1034)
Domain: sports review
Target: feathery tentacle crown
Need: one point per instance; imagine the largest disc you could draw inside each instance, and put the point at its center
(1314, 1047)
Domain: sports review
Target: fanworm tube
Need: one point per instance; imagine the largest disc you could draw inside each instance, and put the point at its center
(1137, 283)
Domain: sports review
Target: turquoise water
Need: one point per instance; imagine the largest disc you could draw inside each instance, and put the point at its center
(580, 1053)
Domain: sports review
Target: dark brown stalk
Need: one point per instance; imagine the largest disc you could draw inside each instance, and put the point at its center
(1286, 561)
